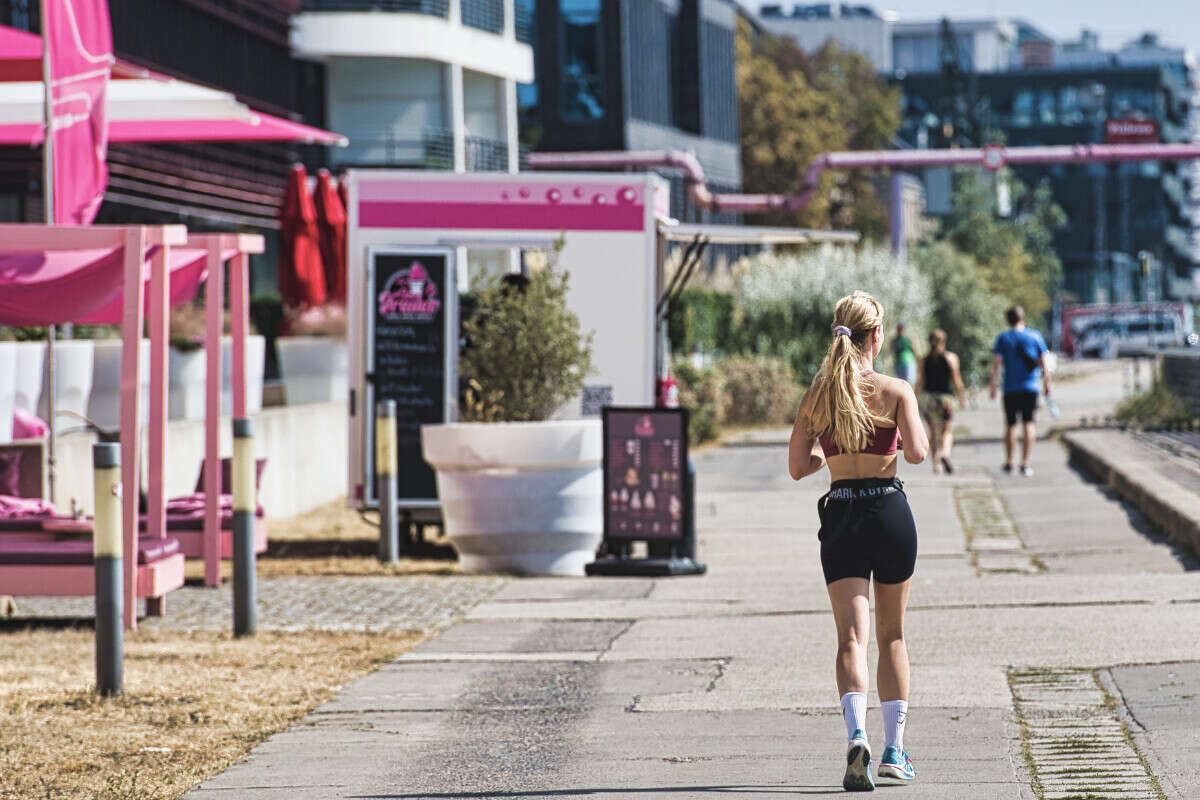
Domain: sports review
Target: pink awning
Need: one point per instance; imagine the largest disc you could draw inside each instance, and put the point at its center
(264, 128)
(84, 285)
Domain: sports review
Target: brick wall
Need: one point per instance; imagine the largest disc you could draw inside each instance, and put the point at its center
(1181, 372)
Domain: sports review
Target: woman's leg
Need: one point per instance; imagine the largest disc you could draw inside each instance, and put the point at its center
(890, 602)
(852, 616)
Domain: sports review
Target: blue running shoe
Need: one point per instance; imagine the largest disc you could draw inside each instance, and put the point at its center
(858, 765)
(895, 764)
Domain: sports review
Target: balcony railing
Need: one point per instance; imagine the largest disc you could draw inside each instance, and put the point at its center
(432, 148)
(433, 8)
(486, 15)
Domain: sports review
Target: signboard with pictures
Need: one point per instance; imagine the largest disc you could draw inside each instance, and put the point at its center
(645, 474)
(412, 334)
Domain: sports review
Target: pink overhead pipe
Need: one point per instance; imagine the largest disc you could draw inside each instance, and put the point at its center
(991, 157)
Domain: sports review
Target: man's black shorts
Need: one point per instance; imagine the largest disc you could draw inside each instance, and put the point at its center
(1021, 404)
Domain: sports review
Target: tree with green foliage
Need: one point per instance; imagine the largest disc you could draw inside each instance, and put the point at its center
(1014, 254)
(797, 105)
(526, 355)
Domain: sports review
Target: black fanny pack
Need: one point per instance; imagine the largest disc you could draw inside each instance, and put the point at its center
(847, 503)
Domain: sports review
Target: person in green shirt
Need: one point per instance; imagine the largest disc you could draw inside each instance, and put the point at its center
(904, 359)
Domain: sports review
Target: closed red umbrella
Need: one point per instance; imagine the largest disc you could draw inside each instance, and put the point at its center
(331, 227)
(300, 274)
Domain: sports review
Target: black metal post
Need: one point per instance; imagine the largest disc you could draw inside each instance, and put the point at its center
(107, 557)
(245, 562)
(385, 477)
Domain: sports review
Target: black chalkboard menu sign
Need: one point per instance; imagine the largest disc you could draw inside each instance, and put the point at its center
(413, 307)
(645, 473)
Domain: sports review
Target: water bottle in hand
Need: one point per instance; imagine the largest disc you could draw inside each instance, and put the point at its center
(1052, 407)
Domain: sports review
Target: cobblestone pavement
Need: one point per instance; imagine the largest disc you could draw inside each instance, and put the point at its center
(403, 602)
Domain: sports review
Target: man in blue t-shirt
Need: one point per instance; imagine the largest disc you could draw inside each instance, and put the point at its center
(1022, 354)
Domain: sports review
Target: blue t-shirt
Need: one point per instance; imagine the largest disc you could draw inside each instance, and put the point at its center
(1019, 349)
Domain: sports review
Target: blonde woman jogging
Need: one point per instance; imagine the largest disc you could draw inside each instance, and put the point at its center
(938, 381)
(854, 420)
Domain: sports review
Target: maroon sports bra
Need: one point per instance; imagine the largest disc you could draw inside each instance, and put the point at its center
(878, 446)
(885, 446)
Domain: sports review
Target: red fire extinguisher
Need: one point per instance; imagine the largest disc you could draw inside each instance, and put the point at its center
(666, 391)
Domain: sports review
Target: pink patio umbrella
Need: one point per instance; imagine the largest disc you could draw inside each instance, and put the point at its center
(331, 227)
(300, 274)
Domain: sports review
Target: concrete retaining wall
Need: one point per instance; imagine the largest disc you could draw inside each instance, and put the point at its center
(305, 447)
(1181, 372)
(1114, 458)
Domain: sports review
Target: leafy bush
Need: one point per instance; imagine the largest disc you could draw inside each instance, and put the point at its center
(786, 301)
(701, 320)
(526, 354)
(757, 390)
(1156, 406)
(962, 306)
(700, 391)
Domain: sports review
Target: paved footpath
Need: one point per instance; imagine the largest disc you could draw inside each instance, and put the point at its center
(1053, 640)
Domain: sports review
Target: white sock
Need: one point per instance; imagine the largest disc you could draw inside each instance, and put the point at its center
(854, 712)
(895, 713)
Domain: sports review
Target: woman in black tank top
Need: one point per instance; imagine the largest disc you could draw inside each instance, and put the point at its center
(938, 381)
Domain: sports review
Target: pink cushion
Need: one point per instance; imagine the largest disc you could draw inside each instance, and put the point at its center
(28, 426)
(78, 551)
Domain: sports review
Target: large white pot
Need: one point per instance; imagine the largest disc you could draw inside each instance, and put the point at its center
(186, 379)
(72, 381)
(315, 368)
(185, 384)
(8, 380)
(522, 496)
(104, 406)
(256, 356)
(27, 386)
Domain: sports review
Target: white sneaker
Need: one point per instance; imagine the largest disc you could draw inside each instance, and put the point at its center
(1027, 471)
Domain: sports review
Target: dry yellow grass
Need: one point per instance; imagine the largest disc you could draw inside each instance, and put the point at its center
(193, 705)
(332, 521)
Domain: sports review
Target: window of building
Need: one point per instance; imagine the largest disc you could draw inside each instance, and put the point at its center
(1047, 111)
(1022, 116)
(582, 75)
(1070, 106)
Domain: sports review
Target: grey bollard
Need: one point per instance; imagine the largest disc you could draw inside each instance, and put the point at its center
(385, 479)
(107, 557)
(245, 567)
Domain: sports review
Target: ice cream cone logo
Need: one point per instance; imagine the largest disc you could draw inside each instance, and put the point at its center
(410, 295)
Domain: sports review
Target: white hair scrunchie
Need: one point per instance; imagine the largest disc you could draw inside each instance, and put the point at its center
(841, 330)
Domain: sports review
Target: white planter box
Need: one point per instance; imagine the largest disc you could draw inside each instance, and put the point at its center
(73, 361)
(520, 497)
(186, 379)
(185, 384)
(104, 407)
(8, 380)
(27, 389)
(315, 369)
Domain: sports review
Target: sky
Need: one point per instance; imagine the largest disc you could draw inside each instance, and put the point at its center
(1176, 21)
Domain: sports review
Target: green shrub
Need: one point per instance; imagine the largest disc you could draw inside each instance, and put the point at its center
(526, 352)
(757, 390)
(1156, 406)
(785, 302)
(701, 320)
(700, 391)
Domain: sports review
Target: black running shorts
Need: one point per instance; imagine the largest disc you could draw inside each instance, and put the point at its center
(1019, 404)
(867, 529)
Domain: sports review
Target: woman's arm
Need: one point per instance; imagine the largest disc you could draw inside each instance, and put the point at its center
(912, 430)
(956, 374)
(920, 376)
(804, 450)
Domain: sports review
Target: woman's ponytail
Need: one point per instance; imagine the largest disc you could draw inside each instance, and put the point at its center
(840, 393)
